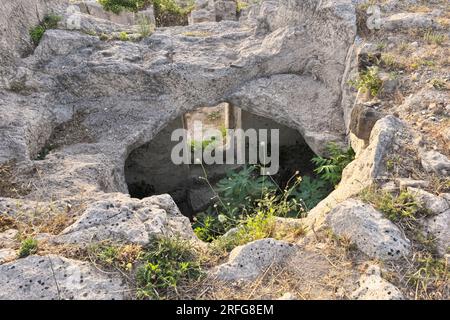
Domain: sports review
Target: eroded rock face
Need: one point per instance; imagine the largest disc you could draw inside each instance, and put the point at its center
(249, 261)
(56, 278)
(129, 221)
(374, 235)
(141, 87)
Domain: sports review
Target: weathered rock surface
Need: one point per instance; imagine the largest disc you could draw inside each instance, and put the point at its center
(8, 238)
(363, 171)
(128, 84)
(373, 234)
(409, 20)
(7, 255)
(433, 161)
(373, 287)
(249, 261)
(362, 121)
(130, 221)
(56, 278)
(437, 226)
(434, 204)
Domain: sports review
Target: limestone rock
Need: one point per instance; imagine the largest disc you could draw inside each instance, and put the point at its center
(373, 287)
(247, 262)
(363, 171)
(8, 238)
(433, 161)
(439, 228)
(7, 255)
(373, 234)
(131, 221)
(409, 20)
(56, 278)
(404, 183)
(362, 121)
(434, 204)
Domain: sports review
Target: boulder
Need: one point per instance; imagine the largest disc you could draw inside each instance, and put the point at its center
(373, 287)
(408, 20)
(435, 162)
(56, 278)
(429, 201)
(130, 221)
(249, 261)
(373, 234)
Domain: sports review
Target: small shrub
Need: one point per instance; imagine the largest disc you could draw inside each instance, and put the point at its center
(438, 84)
(122, 257)
(117, 6)
(240, 5)
(330, 169)
(368, 81)
(36, 34)
(123, 36)
(434, 37)
(430, 276)
(28, 247)
(50, 21)
(311, 191)
(145, 27)
(401, 207)
(166, 264)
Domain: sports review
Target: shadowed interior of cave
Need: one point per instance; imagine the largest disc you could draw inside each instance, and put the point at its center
(149, 169)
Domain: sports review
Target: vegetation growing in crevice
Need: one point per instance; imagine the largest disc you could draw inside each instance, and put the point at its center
(247, 203)
(368, 81)
(167, 12)
(154, 271)
(49, 22)
(330, 169)
(28, 247)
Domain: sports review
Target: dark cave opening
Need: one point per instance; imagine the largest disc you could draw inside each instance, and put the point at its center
(149, 169)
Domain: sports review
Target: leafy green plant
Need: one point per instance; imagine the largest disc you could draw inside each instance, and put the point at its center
(311, 191)
(50, 21)
(368, 81)
(36, 34)
(145, 27)
(117, 6)
(119, 256)
(123, 36)
(241, 189)
(330, 169)
(242, 196)
(396, 207)
(166, 264)
(167, 12)
(27, 247)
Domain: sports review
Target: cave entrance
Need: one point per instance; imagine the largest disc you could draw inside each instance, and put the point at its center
(149, 169)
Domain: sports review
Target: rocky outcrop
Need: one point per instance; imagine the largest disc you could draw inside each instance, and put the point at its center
(56, 278)
(363, 225)
(367, 168)
(249, 261)
(128, 221)
(128, 84)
